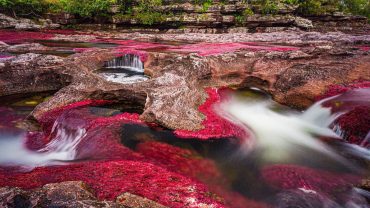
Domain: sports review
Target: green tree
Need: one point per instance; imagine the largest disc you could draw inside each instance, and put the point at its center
(86, 8)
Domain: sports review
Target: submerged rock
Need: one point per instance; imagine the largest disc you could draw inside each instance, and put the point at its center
(25, 48)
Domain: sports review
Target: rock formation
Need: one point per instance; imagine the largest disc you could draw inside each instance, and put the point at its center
(294, 75)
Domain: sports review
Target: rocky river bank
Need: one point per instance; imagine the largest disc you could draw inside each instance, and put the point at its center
(183, 77)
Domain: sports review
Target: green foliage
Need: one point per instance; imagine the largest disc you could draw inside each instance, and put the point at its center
(145, 12)
(205, 4)
(269, 7)
(311, 7)
(360, 7)
(316, 7)
(86, 8)
(150, 18)
(4, 3)
(291, 2)
(248, 12)
(239, 20)
(24, 7)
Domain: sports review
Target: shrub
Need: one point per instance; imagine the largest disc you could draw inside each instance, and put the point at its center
(269, 7)
(86, 8)
(24, 7)
(145, 12)
(239, 20)
(359, 7)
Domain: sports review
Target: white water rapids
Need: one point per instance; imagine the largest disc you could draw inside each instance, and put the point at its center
(283, 135)
(278, 134)
(61, 148)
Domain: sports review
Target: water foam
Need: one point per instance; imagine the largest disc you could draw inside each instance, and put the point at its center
(61, 148)
(282, 136)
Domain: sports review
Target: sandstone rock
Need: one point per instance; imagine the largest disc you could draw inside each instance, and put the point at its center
(31, 73)
(303, 23)
(68, 194)
(134, 201)
(3, 46)
(277, 20)
(25, 48)
(25, 24)
(292, 75)
(7, 22)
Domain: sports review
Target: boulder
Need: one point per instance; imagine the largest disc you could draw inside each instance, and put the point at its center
(67, 194)
(7, 22)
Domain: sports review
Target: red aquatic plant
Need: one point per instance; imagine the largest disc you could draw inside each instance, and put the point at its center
(109, 179)
(364, 48)
(214, 125)
(12, 37)
(295, 177)
(181, 160)
(118, 169)
(355, 124)
(47, 120)
(339, 89)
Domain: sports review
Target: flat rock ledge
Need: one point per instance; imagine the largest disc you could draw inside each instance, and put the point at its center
(294, 74)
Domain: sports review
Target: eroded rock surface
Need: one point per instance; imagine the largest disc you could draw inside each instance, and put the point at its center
(7, 22)
(294, 74)
(67, 194)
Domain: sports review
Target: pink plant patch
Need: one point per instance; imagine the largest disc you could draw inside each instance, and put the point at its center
(364, 48)
(294, 177)
(355, 124)
(157, 171)
(109, 179)
(5, 57)
(22, 36)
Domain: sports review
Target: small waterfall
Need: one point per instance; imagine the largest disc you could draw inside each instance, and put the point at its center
(128, 61)
(127, 69)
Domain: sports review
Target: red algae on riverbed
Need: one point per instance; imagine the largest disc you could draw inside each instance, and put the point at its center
(49, 118)
(214, 125)
(295, 177)
(354, 125)
(12, 37)
(109, 179)
(118, 168)
(180, 160)
(364, 48)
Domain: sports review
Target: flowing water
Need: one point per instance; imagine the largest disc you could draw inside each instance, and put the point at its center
(283, 140)
(125, 70)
